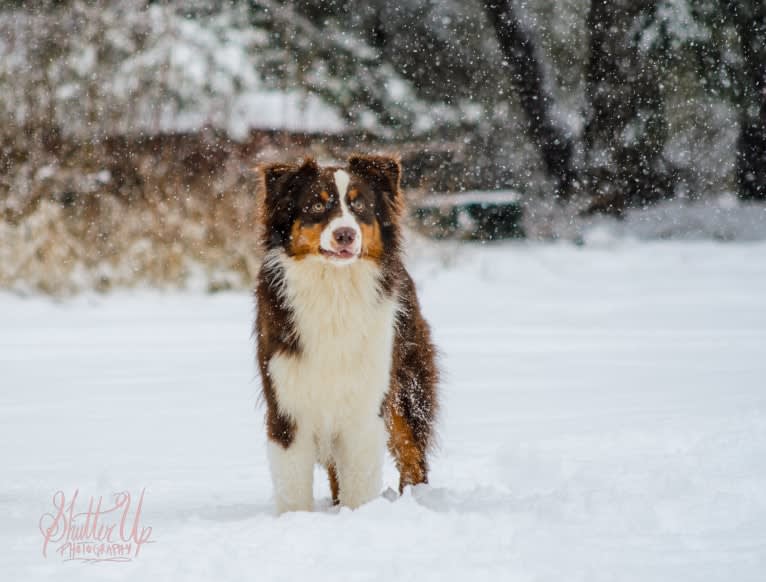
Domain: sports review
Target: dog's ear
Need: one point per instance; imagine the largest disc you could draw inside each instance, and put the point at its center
(273, 173)
(280, 180)
(383, 171)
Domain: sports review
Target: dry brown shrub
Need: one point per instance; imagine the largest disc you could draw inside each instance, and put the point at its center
(167, 211)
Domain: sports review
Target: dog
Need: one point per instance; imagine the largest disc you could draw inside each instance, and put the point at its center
(346, 360)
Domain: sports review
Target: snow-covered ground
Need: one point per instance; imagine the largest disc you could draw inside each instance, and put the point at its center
(604, 419)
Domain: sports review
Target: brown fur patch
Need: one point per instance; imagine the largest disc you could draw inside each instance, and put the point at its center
(372, 243)
(280, 428)
(413, 399)
(353, 193)
(409, 457)
(304, 240)
(332, 475)
(274, 334)
(325, 195)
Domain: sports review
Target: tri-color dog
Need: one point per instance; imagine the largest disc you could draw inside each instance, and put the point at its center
(345, 356)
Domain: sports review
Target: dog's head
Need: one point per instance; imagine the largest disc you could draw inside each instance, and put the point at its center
(334, 214)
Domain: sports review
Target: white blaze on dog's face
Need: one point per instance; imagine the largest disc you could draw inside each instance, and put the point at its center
(341, 240)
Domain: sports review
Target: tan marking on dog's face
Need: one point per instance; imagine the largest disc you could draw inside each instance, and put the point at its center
(353, 193)
(304, 240)
(324, 195)
(372, 243)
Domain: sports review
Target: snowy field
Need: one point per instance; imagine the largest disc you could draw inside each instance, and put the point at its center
(604, 418)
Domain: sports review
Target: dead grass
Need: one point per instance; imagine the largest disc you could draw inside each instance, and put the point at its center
(100, 216)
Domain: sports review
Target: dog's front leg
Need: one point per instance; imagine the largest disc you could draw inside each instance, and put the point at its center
(292, 473)
(359, 459)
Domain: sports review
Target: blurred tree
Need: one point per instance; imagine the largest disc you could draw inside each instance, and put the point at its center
(382, 64)
(522, 58)
(426, 42)
(731, 60)
(343, 70)
(526, 94)
(749, 20)
(625, 126)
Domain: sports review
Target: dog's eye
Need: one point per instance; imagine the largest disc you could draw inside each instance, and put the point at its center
(317, 207)
(357, 204)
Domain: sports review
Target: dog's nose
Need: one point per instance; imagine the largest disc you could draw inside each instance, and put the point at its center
(344, 236)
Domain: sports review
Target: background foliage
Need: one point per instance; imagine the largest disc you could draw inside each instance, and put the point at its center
(580, 106)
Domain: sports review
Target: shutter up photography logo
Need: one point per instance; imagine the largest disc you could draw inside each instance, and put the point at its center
(95, 530)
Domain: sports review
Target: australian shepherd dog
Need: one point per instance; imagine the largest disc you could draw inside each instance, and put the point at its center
(346, 360)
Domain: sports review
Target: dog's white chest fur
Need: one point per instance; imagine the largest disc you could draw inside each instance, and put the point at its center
(335, 385)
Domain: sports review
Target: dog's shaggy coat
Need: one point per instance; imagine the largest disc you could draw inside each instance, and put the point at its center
(345, 357)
